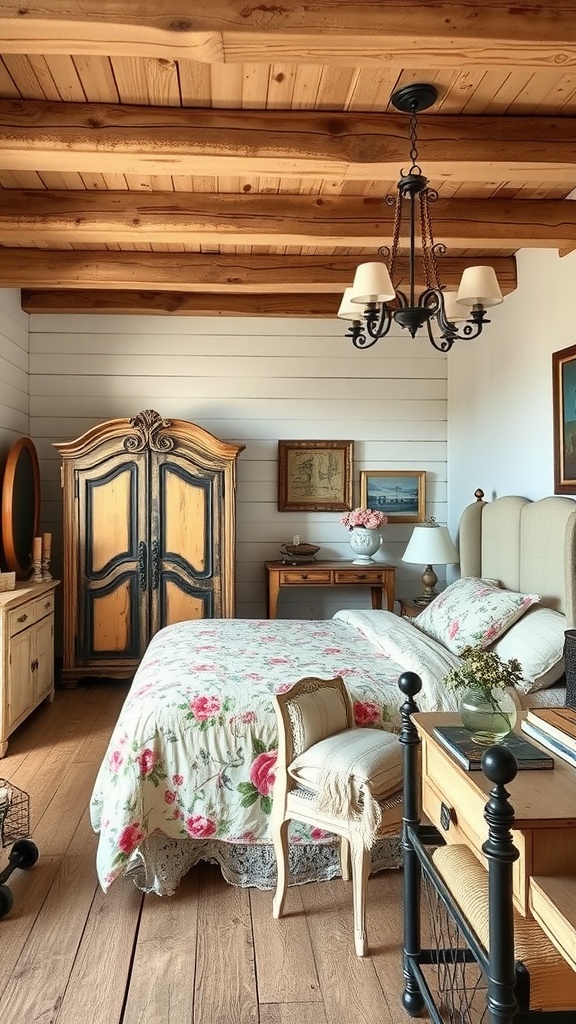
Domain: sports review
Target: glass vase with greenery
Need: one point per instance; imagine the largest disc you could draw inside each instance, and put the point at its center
(487, 709)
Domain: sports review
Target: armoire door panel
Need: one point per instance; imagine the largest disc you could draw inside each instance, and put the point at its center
(178, 601)
(113, 624)
(186, 528)
(111, 518)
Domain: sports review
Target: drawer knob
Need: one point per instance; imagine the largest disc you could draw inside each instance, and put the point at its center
(446, 816)
(22, 618)
(47, 605)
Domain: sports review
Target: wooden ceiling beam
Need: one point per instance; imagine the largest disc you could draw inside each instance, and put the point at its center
(107, 138)
(155, 303)
(86, 217)
(39, 268)
(353, 32)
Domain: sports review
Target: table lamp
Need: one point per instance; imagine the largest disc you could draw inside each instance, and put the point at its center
(430, 544)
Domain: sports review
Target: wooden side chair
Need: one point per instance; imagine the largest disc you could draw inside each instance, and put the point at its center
(333, 776)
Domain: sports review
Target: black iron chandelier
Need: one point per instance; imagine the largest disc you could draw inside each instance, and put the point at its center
(455, 316)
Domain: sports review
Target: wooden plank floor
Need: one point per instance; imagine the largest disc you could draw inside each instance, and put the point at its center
(211, 954)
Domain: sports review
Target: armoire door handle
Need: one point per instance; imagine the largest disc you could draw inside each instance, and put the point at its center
(142, 568)
(155, 565)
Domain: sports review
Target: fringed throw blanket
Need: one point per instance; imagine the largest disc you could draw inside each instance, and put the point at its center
(353, 772)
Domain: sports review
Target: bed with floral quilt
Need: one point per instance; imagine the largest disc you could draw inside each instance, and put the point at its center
(189, 769)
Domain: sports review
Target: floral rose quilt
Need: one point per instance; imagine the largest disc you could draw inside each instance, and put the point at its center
(194, 750)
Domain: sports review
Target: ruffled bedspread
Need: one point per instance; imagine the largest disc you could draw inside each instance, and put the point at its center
(193, 753)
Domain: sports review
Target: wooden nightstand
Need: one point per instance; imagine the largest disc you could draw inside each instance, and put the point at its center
(410, 609)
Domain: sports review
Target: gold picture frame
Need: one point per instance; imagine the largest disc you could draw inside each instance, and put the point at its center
(564, 406)
(315, 476)
(399, 493)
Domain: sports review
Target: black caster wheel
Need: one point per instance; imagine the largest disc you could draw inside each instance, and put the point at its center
(27, 853)
(6, 900)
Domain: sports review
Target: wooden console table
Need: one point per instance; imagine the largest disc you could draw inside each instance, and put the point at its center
(378, 577)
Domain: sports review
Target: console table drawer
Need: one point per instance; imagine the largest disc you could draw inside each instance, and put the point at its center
(297, 576)
(373, 576)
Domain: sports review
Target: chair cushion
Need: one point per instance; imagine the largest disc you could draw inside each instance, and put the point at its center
(315, 715)
(371, 756)
(351, 773)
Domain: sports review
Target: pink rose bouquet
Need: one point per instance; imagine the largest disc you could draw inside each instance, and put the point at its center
(370, 518)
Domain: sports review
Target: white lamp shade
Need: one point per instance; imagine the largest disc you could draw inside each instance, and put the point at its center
(431, 544)
(372, 284)
(456, 312)
(349, 310)
(479, 286)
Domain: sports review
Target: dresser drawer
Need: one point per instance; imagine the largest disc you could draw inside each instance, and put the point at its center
(295, 576)
(27, 614)
(373, 576)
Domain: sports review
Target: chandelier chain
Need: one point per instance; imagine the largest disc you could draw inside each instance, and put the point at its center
(428, 248)
(395, 238)
(414, 142)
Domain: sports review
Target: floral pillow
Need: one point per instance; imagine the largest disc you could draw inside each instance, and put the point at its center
(472, 613)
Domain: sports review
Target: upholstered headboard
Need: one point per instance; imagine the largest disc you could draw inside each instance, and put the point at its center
(526, 545)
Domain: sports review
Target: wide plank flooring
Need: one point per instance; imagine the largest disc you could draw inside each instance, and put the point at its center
(211, 954)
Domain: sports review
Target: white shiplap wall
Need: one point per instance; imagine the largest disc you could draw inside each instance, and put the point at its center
(251, 381)
(14, 422)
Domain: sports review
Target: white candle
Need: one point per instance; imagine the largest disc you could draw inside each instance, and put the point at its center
(296, 539)
(37, 548)
(46, 545)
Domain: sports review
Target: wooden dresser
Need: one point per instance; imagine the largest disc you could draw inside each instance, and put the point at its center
(149, 537)
(27, 644)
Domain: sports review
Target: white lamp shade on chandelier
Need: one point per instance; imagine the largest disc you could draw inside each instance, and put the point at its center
(479, 286)
(372, 284)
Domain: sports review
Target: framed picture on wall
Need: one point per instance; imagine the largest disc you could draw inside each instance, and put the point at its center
(315, 476)
(399, 493)
(564, 406)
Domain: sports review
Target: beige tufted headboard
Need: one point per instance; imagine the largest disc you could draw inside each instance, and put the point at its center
(526, 545)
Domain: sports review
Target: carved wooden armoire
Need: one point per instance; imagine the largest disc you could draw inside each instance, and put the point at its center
(149, 537)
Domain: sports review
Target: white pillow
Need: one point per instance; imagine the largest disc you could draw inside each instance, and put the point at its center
(472, 613)
(538, 643)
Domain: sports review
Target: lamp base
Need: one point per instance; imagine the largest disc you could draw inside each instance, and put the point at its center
(429, 581)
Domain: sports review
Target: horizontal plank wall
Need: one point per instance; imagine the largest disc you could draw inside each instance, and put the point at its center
(14, 420)
(253, 382)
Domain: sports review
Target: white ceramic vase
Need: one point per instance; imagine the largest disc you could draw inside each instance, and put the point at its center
(364, 544)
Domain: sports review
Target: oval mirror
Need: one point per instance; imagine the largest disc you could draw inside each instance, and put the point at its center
(20, 506)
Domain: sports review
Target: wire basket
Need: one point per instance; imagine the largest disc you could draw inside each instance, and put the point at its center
(14, 813)
(570, 659)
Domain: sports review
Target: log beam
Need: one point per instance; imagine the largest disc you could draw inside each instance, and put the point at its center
(55, 218)
(352, 32)
(28, 268)
(153, 303)
(104, 138)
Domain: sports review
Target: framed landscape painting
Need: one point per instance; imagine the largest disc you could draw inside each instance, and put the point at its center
(399, 493)
(315, 476)
(564, 405)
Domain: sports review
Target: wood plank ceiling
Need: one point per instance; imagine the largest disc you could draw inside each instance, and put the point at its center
(224, 157)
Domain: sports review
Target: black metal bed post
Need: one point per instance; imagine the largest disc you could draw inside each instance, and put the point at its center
(410, 684)
(499, 765)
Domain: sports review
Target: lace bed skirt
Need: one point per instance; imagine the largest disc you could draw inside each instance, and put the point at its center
(159, 863)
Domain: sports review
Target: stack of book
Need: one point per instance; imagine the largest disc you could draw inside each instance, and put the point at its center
(555, 729)
(467, 753)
